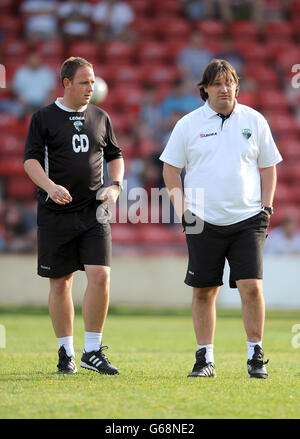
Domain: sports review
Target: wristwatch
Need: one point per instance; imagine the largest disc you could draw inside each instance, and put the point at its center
(269, 209)
(117, 183)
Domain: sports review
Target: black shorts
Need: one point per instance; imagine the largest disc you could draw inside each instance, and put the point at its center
(241, 244)
(68, 240)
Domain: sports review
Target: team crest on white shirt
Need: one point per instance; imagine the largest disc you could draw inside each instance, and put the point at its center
(247, 133)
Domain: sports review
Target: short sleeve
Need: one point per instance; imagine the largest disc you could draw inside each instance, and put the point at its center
(111, 151)
(35, 141)
(268, 151)
(174, 152)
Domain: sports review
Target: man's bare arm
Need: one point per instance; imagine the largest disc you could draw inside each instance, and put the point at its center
(57, 193)
(115, 170)
(268, 178)
(172, 180)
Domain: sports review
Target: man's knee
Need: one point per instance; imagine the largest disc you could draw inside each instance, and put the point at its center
(250, 288)
(204, 294)
(98, 275)
(61, 285)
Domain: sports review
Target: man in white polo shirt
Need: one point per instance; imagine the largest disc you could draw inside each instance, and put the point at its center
(229, 154)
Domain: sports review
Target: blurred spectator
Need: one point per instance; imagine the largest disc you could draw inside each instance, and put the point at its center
(194, 58)
(151, 173)
(40, 19)
(76, 19)
(229, 54)
(112, 19)
(285, 239)
(175, 105)
(180, 99)
(19, 227)
(199, 9)
(242, 10)
(33, 86)
(149, 112)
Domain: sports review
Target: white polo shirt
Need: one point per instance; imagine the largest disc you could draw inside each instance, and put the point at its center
(223, 161)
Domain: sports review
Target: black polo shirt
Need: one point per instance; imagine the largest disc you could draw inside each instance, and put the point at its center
(70, 146)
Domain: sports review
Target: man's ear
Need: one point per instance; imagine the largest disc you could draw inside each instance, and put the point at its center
(67, 83)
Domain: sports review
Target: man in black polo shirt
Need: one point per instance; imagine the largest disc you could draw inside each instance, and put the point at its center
(65, 147)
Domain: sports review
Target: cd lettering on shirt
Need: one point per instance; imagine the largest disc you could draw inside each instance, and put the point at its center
(80, 143)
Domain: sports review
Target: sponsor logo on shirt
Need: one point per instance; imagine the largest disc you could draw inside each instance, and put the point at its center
(208, 134)
(247, 133)
(76, 118)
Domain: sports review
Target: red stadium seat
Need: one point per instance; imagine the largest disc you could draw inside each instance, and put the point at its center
(155, 234)
(127, 98)
(280, 30)
(251, 51)
(11, 167)
(294, 169)
(11, 25)
(141, 7)
(20, 188)
(120, 122)
(247, 98)
(174, 47)
(103, 71)
(243, 29)
(284, 124)
(264, 75)
(52, 49)
(285, 59)
(147, 147)
(11, 145)
(14, 47)
(86, 49)
(159, 75)
(275, 48)
(124, 233)
(152, 51)
(273, 100)
(290, 148)
(117, 51)
(214, 29)
(283, 194)
(12, 65)
(7, 5)
(144, 28)
(126, 74)
(295, 24)
(167, 7)
(294, 7)
(283, 174)
(171, 28)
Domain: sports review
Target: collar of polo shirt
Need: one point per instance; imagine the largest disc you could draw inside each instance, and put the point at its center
(211, 113)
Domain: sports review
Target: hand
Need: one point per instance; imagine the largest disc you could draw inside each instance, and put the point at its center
(110, 194)
(59, 194)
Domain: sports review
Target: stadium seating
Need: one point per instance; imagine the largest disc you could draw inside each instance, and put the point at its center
(213, 29)
(162, 31)
(243, 30)
(20, 188)
(279, 30)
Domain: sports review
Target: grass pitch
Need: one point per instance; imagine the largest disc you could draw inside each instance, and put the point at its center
(154, 352)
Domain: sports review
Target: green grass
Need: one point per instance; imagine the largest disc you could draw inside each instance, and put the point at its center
(154, 351)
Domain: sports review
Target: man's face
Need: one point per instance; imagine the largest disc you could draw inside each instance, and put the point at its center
(80, 89)
(221, 93)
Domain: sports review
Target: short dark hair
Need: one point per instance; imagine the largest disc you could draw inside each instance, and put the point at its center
(212, 70)
(70, 66)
